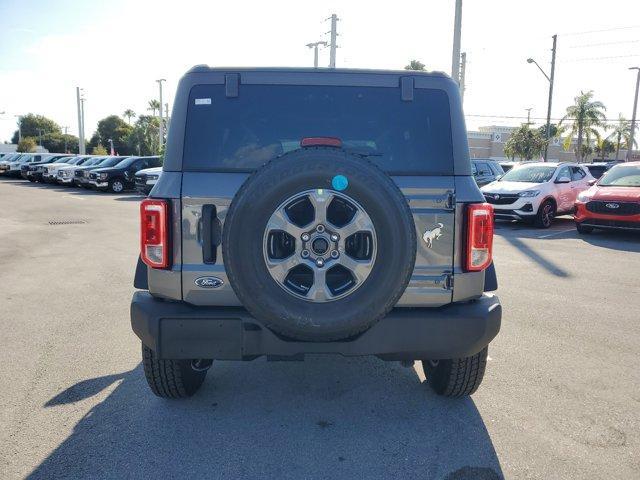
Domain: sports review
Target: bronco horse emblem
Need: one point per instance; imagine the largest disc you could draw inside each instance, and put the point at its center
(433, 234)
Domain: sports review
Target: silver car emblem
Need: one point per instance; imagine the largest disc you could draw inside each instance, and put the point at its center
(612, 205)
(433, 234)
(496, 196)
(209, 282)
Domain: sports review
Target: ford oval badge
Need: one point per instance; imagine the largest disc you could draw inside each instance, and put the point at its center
(209, 282)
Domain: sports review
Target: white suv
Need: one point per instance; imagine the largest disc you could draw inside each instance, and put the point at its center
(537, 191)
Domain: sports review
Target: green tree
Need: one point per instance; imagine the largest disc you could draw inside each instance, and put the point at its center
(555, 131)
(415, 65)
(584, 118)
(143, 139)
(116, 129)
(153, 106)
(621, 134)
(27, 145)
(129, 114)
(525, 143)
(604, 147)
(99, 150)
(32, 125)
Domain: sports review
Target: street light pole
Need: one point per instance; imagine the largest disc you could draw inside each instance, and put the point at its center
(65, 138)
(81, 149)
(550, 79)
(633, 116)
(457, 33)
(160, 133)
(315, 45)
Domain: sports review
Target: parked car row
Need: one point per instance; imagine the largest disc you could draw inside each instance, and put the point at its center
(538, 191)
(106, 173)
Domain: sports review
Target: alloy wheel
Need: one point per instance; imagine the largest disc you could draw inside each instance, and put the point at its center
(319, 245)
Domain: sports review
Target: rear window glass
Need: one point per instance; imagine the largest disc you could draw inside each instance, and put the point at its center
(243, 133)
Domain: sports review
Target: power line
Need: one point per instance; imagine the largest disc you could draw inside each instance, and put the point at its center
(591, 59)
(602, 44)
(520, 117)
(615, 29)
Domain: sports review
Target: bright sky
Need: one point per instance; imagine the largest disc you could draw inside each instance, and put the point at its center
(116, 49)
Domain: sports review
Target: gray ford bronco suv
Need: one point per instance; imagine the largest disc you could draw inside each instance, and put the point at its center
(307, 211)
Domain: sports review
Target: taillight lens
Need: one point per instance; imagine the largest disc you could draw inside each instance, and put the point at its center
(154, 233)
(479, 253)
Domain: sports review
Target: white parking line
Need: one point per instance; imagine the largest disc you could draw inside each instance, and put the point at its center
(555, 233)
(75, 197)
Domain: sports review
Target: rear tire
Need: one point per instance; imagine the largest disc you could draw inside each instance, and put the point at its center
(583, 229)
(456, 377)
(173, 378)
(545, 215)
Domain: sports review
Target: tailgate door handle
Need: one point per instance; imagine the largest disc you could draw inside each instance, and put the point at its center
(211, 233)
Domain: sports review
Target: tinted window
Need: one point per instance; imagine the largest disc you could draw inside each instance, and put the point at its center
(484, 169)
(577, 173)
(263, 122)
(563, 173)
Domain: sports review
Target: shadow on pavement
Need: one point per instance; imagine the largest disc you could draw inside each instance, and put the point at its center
(328, 417)
(622, 240)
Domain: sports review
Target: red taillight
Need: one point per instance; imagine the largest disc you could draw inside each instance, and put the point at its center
(154, 233)
(321, 142)
(479, 250)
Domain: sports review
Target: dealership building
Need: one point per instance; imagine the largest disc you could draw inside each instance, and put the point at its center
(488, 142)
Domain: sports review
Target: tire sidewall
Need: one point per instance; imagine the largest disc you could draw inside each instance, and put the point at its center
(243, 239)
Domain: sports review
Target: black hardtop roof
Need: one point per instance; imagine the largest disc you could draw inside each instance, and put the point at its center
(325, 71)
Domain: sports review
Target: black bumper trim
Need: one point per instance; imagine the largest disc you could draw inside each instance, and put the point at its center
(177, 330)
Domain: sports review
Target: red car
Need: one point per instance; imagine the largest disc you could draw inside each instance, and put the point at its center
(611, 203)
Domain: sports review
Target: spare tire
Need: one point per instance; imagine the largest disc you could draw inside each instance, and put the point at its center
(319, 244)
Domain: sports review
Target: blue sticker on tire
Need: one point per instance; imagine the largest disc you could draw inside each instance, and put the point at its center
(339, 183)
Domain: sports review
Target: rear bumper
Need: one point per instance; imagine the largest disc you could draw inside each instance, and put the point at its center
(176, 330)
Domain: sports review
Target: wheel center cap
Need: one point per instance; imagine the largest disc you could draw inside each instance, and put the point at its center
(320, 246)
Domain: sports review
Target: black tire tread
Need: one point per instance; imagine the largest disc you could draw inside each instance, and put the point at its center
(166, 378)
(457, 377)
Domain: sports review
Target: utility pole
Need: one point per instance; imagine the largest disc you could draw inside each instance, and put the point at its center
(40, 137)
(65, 138)
(160, 129)
(111, 151)
(82, 100)
(550, 79)
(463, 71)
(315, 45)
(633, 116)
(19, 117)
(457, 33)
(528, 115)
(332, 45)
(81, 150)
(166, 116)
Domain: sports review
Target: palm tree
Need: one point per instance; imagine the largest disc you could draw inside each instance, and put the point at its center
(604, 147)
(415, 65)
(621, 134)
(153, 106)
(129, 114)
(585, 116)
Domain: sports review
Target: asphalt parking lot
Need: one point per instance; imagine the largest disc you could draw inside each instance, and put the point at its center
(560, 399)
